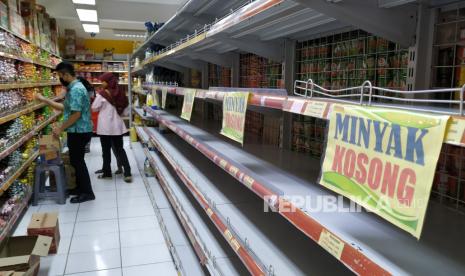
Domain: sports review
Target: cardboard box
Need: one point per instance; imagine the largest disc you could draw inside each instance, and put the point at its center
(33, 271)
(22, 253)
(16, 23)
(49, 147)
(45, 224)
(4, 20)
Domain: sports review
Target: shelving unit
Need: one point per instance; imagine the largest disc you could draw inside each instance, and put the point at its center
(265, 179)
(26, 85)
(18, 173)
(242, 211)
(449, 49)
(279, 42)
(202, 238)
(183, 254)
(32, 66)
(91, 69)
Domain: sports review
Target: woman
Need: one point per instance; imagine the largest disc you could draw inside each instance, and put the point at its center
(110, 102)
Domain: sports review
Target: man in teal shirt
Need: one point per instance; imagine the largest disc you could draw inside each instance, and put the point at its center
(78, 125)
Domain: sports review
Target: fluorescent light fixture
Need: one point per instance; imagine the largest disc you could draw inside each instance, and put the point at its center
(130, 35)
(84, 2)
(91, 28)
(87, 15)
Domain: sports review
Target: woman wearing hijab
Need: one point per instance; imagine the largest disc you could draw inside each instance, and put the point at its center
(110, 103)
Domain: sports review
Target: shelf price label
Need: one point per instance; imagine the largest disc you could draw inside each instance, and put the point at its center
(234, 110)
(384, 160)
(331, 243)
(188, 103)
(455, 131)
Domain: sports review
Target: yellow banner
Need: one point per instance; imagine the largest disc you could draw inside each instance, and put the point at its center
(164, 93)
(156, 99)
(384, 160)
(234, 110)
(188, 104)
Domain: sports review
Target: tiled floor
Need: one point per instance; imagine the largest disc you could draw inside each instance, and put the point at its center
(115, 235)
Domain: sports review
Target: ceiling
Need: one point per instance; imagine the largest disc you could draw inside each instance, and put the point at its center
(126, 16)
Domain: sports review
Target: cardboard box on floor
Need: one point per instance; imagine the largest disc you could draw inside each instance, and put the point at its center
(33, 271)
(49, 146)
(45, 224)
(22, 254)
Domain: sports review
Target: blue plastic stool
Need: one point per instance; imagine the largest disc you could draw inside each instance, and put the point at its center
(41, 191)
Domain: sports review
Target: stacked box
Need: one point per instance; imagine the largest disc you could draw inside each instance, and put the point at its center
(4, 21)
(45, 224)
(70, 43)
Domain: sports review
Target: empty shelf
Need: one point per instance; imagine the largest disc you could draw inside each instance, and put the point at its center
(274, 241)
(364, 235)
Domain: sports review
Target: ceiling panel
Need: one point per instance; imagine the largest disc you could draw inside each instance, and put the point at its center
(113, 14)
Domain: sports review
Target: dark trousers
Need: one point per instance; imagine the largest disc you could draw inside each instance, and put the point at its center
(77, 145)
(114, 142)
(118, 162)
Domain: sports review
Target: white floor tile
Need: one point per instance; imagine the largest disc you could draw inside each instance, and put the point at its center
(58, 208)
(132, 193)
(165, 269)
(99, 203)
(103, 187)
(140, 210)
(98, 214)
(85, 262)
(108, 272)
(133, 201)
(105, 195)
(20, 231)
(147, 254)
(96, 227)
(138, 223)
(66, 229)
(52, 265)
(63, 247)
(141, 237)
(67, 217)
(95, 242)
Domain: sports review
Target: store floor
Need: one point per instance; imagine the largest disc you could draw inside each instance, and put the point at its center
(117, 234)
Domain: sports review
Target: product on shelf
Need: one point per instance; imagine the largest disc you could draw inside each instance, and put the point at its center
(11, 100)
(8, 71)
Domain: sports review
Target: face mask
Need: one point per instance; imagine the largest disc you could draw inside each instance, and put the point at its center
(63, 82)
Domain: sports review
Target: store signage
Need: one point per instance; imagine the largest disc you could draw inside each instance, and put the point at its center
(164, 94)
(234, 110)
(188, 103)
(156, 99)
(455, 131)
(384, 160)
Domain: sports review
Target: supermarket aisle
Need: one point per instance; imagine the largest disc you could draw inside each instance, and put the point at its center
(117, 234)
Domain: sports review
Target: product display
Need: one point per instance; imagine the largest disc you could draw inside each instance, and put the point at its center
(219, 76)
(259, 72)
(348, 59)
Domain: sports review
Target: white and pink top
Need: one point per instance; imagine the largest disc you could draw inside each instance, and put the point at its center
(109, 122)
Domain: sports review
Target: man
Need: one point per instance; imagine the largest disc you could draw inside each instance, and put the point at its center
(78, 125)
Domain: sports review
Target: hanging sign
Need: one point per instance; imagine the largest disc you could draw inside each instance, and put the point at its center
(234, 110)
(384, 160)
(164, 93)
(188, 104)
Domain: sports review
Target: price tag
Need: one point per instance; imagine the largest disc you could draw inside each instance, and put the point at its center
(331, 243)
